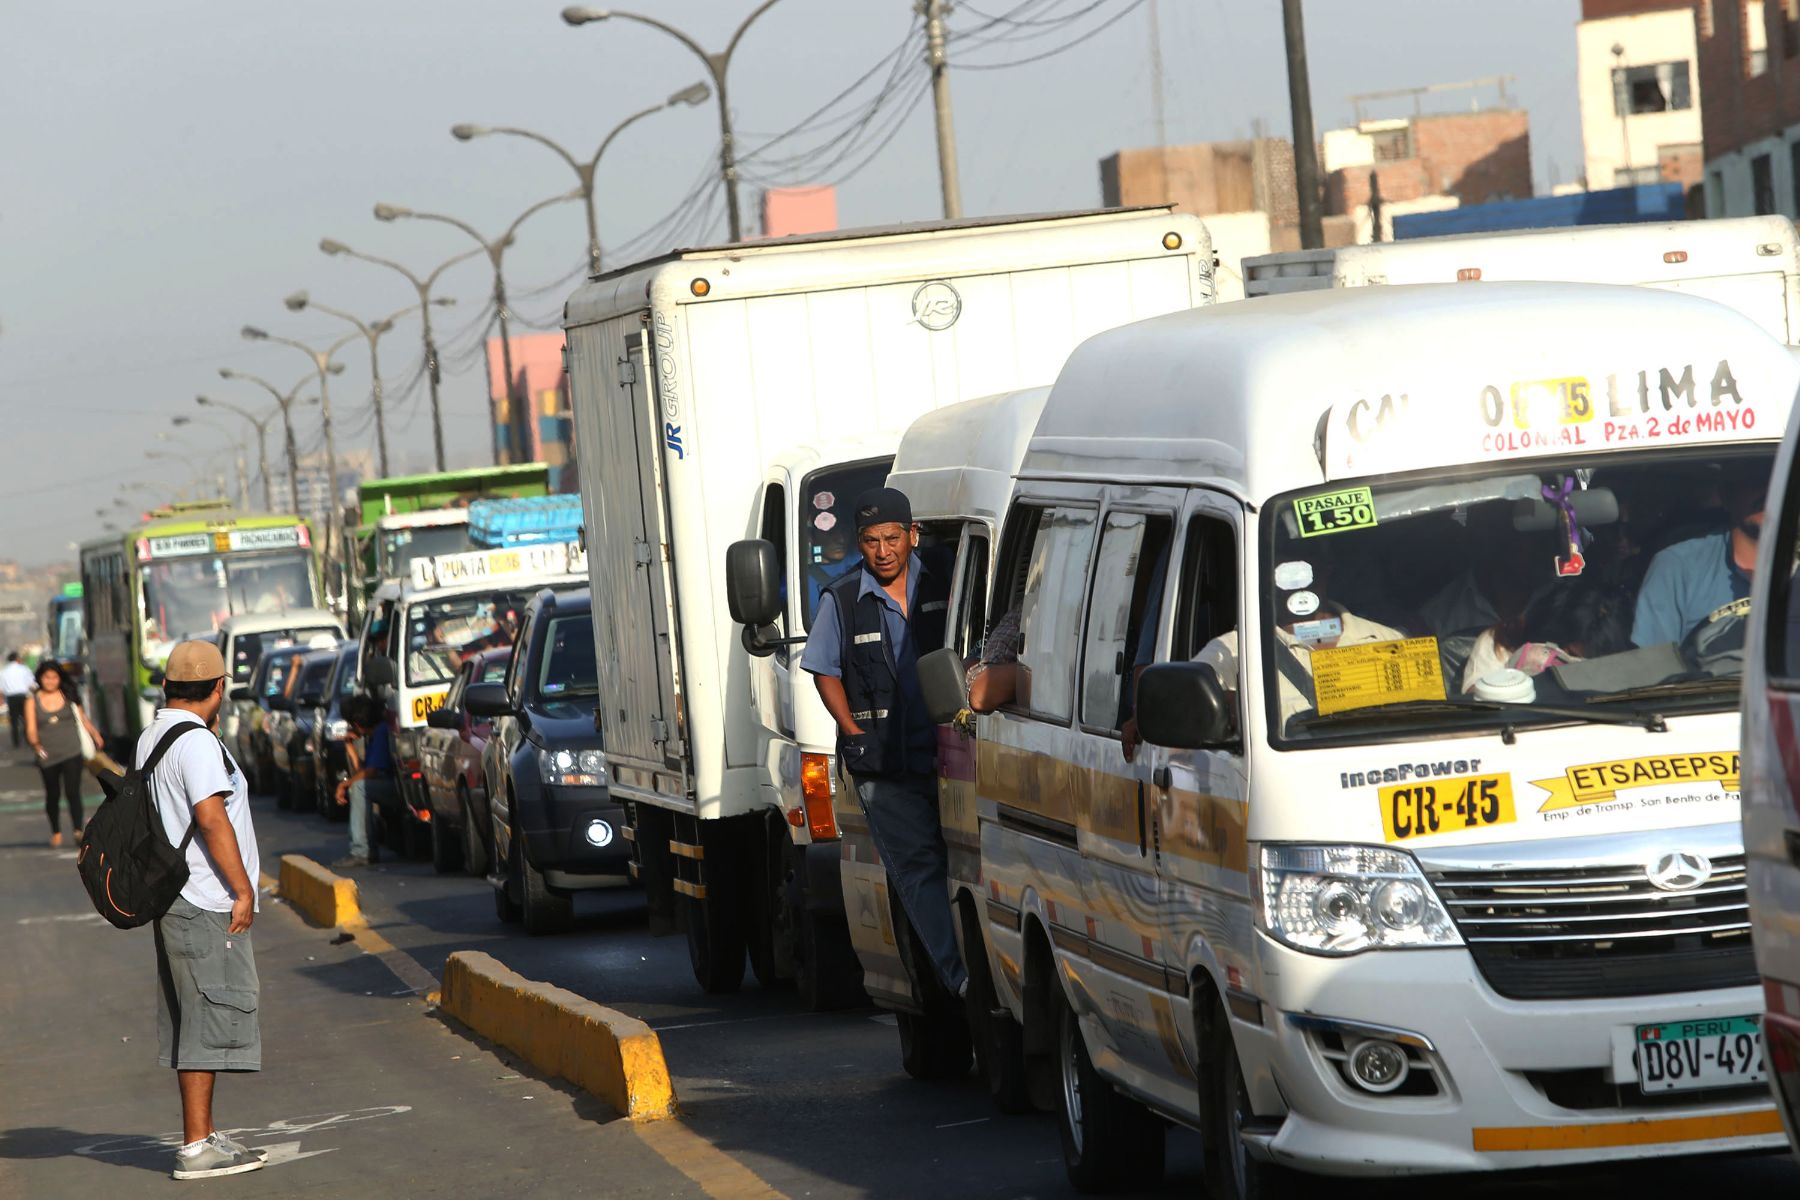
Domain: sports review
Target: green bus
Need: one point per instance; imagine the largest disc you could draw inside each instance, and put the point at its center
(420, 516)
(176, 576)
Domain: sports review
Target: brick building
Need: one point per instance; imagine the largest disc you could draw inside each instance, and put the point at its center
(1471, 157)
(1749, 57)
(1244, 190)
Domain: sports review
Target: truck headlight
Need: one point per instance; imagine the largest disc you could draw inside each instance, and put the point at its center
(572, 768)
(1347, 899)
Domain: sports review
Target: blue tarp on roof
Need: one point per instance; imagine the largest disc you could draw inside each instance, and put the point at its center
(525, 522)
(1616, 206)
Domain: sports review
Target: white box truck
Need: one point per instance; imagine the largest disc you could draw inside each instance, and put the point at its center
(1751, 264)
(715, 390)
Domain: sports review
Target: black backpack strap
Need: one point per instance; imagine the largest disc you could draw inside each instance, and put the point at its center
(155, 757)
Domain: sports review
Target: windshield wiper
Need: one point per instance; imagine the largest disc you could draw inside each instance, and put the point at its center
(1600, 716)
(1706, 686)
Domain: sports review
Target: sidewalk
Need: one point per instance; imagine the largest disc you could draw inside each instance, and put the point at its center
(362, 1091)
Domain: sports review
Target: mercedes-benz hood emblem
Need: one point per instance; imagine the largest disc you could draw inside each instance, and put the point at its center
(1678, 870)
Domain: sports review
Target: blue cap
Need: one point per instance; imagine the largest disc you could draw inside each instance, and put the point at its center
(882, 506)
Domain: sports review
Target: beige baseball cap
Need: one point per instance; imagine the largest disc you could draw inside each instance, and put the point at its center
(194, 662)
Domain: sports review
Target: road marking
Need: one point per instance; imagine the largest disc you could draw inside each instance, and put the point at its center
(288, 1152)
(83, 918)
(719, 1175)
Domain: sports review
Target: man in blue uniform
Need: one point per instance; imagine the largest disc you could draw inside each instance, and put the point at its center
(871, 628)
(1690, 581)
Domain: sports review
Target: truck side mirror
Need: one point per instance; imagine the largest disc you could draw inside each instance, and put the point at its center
(1183, 706)
(753, 582)
(378, 671)
(944, 684)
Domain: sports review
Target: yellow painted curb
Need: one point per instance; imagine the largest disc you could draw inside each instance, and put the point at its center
(317, 894)
(598, 1049)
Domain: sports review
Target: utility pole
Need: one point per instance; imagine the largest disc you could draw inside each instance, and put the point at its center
(1306, 154)
(1158, 107)
(940, 95)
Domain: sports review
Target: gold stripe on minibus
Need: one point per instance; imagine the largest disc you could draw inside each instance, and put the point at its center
(1521, 1138)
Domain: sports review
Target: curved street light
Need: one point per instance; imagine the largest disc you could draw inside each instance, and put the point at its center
(371, 332)
(584, 171)
(237, 450)
(716, 65)
(322, 364)
(261, 425)
(496, 251)
(286, 402)
(423, 287)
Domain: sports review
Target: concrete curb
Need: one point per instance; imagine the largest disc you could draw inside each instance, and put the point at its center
(316, 894)
(615, 1057)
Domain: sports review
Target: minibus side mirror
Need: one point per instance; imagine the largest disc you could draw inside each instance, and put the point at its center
(378, 671)
(1183, 706)
(944, 684)
(753, 582)
(486, 700)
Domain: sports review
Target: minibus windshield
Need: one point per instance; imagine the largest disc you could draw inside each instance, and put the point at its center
(1610, 589)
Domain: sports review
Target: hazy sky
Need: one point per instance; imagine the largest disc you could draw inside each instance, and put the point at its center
(167, 170)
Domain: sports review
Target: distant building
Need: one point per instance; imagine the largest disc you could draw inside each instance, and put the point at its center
(793, 210)
(1749, 56)
(532, 423)
(353, 466)
(1243, 190)
(1640, 90)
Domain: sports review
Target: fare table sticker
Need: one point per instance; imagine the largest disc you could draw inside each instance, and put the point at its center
(1350, 677)
(1335, 512)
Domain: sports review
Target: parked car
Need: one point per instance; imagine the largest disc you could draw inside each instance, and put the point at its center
(555, 827)
(329, 731)
(291, 727)
(253, 703)
(245, 637)
(450, 754)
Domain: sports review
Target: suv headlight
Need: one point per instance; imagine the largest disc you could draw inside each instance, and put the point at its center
(572, 768)
(1347, 899)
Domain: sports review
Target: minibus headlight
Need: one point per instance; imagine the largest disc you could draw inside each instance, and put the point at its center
(1346, 899)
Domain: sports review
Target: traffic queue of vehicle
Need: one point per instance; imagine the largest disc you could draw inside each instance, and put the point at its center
(1337, 714)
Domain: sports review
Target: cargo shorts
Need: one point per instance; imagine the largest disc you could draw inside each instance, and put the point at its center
(206, 994)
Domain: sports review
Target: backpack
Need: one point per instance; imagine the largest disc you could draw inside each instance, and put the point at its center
(131, 871)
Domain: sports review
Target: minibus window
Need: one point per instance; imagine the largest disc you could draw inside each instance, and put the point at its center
(972, 602)
(1783, 637)
(1207, 606)
(1606, 588)
(1050, 615)
(1122, 616)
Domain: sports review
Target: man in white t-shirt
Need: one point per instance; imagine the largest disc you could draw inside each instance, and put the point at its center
(16, 681)
(207, 989)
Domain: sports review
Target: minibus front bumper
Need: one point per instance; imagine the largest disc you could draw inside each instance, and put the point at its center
(1492, 1083)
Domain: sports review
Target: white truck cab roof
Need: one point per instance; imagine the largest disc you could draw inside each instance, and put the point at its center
(960, 460)
(1254, 399)
(293, 618)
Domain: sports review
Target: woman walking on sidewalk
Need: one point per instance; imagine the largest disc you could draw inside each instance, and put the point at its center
(53, 726)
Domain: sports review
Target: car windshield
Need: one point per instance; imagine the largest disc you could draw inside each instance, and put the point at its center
(441, 634)
(828, 526)
(311, 685)
(1606, 589)
(567, 666)
(191, 597)
(400, 546)
(247, 649)
(346, 675)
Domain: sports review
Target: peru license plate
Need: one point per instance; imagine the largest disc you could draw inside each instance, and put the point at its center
(1683, 1056)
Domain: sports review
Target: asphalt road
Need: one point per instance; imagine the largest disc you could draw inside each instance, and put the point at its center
(365, 1091)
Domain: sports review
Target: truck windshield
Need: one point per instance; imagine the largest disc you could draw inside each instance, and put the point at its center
(1603, 589)
(400, 546)
(440, 634)
(190, 597)
(828, 524)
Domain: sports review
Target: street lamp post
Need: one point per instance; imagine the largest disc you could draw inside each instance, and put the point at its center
(584, 171)
(261, 425)
(321, 361)
(199, 475)
(371, 332)
(495, 251)
(716, 65)
(423, 287)
(237, 451)
(286, 401)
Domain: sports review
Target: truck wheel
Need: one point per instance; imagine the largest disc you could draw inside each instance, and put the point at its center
(935, 1045)
(546, 910)
(999, 1041)
(446, 848)
(475, 852)
(715, 942)
(828, 975)
(1231, 1173)
(1109, 1141)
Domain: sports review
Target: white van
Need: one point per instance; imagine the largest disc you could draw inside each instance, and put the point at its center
(1429, 859)
(1751, 264)
(243, 639)
(709, 387)
(417, 632)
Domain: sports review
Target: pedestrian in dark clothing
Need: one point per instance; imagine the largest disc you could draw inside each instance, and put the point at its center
(870, 629)
(53, 725)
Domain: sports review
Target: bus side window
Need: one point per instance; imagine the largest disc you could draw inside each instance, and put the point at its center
(1207, 605)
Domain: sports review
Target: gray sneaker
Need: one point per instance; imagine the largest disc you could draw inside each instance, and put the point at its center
(227, 1142)
(214, 1160)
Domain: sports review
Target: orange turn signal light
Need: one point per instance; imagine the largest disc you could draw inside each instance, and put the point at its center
(815, 789)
